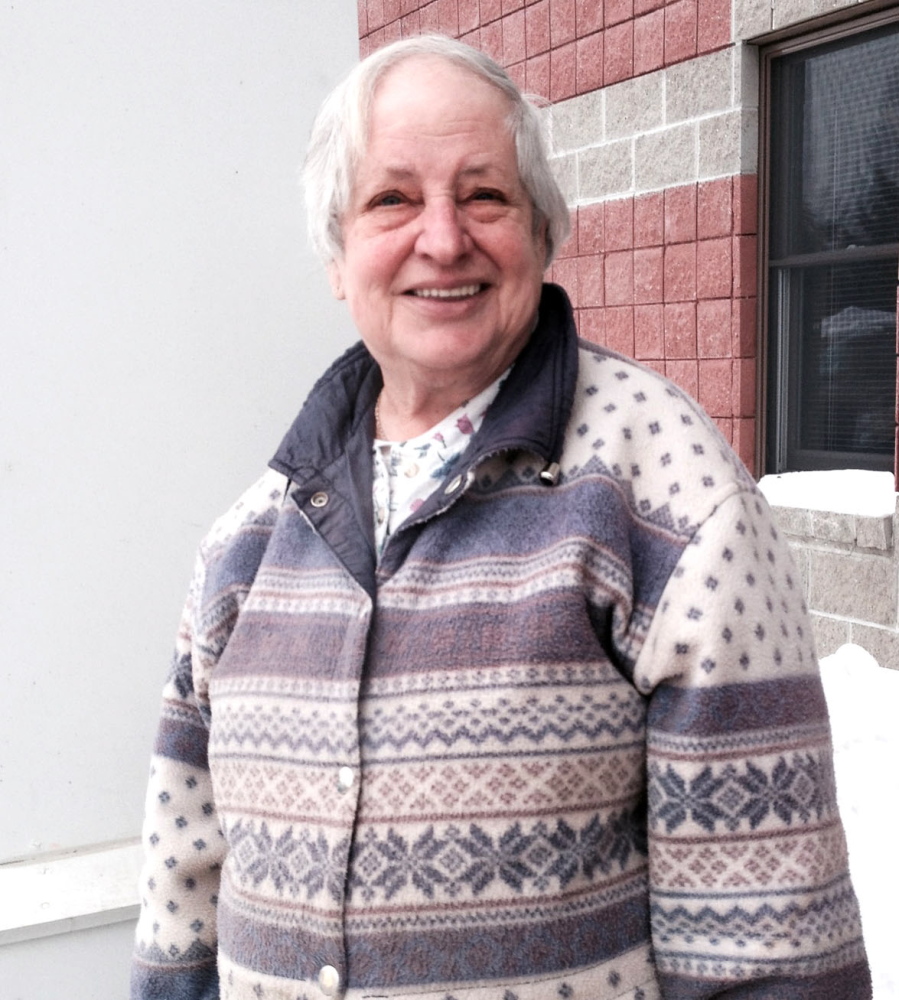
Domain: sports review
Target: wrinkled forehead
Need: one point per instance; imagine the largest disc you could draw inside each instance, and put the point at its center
(430, 87)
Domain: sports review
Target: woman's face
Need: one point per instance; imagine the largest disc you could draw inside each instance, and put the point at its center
(441, 267)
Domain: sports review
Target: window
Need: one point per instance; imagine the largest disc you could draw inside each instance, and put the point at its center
(832, 234)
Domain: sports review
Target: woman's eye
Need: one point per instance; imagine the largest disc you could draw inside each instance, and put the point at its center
(389, 199)
(487, 196)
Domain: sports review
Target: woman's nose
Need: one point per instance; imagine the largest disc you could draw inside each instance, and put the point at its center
(443, 235)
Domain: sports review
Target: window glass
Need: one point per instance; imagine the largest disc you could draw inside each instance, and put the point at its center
(834, 247)
(847, 359)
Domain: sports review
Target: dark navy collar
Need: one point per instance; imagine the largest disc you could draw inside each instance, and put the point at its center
(328, 448)
(531, 411)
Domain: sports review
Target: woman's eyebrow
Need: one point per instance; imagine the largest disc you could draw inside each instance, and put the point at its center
(398, 173)
(487, 170)
(401, 173)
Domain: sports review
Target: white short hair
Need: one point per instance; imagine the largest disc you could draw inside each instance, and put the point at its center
(340, 133)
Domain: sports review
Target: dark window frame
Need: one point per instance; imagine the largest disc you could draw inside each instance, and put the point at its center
(834, 26)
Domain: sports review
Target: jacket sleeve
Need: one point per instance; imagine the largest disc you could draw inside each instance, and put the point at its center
(175, 948)
(750, 891)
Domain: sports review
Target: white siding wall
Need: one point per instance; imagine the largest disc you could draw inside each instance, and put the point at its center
(160, 320)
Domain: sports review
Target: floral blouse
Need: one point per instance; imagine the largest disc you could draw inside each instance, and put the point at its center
(407, 472)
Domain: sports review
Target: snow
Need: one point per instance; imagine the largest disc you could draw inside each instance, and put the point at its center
(863, 700)
(842, 491)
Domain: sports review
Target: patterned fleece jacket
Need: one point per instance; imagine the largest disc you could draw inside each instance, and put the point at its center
(565, 741)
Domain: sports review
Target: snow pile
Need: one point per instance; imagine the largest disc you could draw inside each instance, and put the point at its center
(863, 700)
(842, 491)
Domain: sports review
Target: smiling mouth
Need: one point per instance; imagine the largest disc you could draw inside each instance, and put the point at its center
(463, 292)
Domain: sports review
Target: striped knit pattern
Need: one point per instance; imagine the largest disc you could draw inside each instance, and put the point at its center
(588, 744)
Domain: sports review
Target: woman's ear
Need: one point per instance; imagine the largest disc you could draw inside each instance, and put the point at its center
(335, 279)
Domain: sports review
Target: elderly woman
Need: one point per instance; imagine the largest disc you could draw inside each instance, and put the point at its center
(498, 685)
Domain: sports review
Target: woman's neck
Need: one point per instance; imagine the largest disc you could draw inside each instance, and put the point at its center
(403, 411)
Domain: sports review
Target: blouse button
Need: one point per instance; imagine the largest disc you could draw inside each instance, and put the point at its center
(411, 470)
(328, 980)
(318, 499)
(345, 778)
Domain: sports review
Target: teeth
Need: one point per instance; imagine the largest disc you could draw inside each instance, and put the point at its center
(448, 293)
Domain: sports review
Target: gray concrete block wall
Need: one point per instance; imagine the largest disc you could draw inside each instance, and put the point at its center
(690, 122)
(849, 567)
(755, 17)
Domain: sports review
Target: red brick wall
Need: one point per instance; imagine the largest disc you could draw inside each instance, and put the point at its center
(560, 48)
(668, 277)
